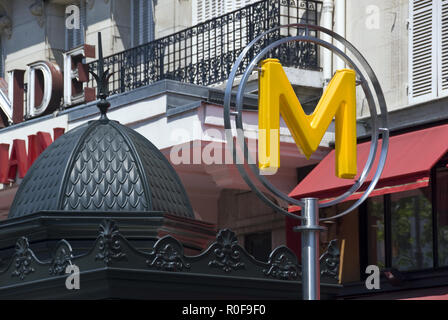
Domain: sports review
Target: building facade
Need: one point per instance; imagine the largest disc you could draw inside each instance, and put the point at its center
(170, 60)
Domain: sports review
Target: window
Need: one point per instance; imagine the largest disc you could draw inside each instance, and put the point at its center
(258, 245)
(411, 230)
(76, 37)
(376, 232)
(142, 13)
(442, 215)
(428, 50)
(408, 230)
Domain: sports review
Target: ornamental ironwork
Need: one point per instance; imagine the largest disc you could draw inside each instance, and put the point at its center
(223, 258)
(23, 259)
(204, 54)
(283, 265)
(329, 260)
(62, 258)
(167, 255)
(227, 253)
(109, 243)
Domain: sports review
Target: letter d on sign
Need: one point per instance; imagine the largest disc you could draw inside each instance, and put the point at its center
(72, 281)
(373, 280)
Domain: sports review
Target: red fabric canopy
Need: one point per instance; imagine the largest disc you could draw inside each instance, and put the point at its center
(410, 159)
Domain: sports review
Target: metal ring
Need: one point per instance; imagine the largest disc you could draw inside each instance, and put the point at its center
(369, 97)
(239, 101)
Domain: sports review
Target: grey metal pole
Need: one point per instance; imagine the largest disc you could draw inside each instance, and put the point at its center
(310, 249)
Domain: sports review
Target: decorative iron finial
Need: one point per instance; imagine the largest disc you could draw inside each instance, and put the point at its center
(102, 81)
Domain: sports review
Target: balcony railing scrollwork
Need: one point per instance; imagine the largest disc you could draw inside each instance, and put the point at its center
(204, 54)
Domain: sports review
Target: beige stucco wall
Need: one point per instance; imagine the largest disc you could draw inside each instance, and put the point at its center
(112, 19)
(43, 38)
(384, 46)
(28, 42)
(171, 16)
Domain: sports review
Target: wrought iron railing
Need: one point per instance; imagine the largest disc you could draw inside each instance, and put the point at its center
(204, 54)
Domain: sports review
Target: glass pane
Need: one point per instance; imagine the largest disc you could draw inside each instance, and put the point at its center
(411, 219)
(442, 215)
(375, 231)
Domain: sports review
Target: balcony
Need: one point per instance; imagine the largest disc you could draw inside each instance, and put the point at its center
(204, 54)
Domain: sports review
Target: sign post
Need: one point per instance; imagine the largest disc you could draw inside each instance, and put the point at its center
(310, 249)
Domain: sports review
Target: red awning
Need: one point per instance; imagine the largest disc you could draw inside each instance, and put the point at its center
(410, 159)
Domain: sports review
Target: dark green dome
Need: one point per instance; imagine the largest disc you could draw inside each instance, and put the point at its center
(101, 166)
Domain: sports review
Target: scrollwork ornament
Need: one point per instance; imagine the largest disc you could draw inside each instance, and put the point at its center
(167, 255)
(109, 243)
(329, 261)
(282, 265)
(23, 259)
(62, 258)
(227, 252)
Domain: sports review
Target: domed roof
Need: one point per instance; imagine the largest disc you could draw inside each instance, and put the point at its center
(101, 166)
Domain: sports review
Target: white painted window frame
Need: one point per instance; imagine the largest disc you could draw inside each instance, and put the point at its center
(437, 51)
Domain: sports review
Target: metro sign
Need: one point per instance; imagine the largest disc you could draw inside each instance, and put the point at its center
(338, 101)
(47, 85)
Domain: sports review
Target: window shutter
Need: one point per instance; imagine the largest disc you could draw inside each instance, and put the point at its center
(69, 34)
(142, 22)
(422, 50)
(82, 23)
(204, 10)
(135, 22)
(151, 25)
(442, 47)
(232, 5)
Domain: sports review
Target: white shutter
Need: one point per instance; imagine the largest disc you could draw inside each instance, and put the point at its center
(422, 50)
(232, 5)
(442, 47)
(144, 23)
(204, 10)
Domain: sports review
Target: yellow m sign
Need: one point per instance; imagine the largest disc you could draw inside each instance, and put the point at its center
(276, 96)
